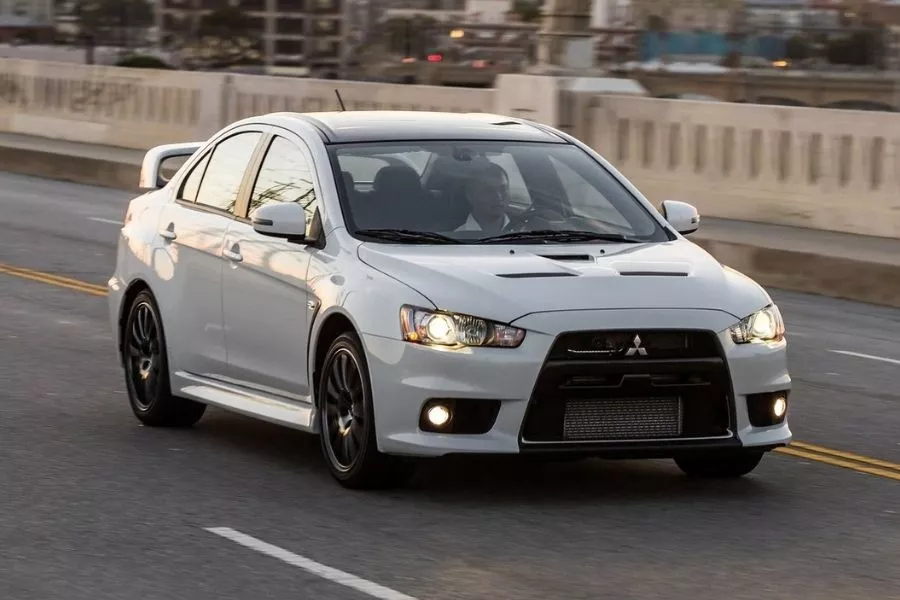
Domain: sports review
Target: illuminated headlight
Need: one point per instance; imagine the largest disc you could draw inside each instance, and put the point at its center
(765, 325)
(424, 326)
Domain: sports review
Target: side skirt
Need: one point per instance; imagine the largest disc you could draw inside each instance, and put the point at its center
(300, 415)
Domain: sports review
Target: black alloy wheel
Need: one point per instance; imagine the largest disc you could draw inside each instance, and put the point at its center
(347, 424)
(145, 360)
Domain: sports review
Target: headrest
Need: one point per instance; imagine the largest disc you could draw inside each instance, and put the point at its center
(349, 183)
(396, 176)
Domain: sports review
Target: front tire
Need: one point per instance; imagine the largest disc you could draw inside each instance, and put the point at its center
(721, 465)
(145, 358)
(347, 421)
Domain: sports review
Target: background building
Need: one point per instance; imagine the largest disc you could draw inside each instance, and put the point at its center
(26, 21)
(308, 36)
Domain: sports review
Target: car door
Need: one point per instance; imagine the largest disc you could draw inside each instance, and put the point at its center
(266, 300)
(193, 231)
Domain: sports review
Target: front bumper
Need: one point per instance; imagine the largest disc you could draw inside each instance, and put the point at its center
(406, 376)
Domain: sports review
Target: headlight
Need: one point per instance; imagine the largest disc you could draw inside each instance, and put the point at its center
(424, 326)
(765, 325)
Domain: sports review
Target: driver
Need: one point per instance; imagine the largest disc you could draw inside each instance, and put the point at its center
(487, 191)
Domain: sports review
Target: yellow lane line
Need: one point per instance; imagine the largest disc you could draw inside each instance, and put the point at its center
(838, 462)
(873, 462)
(57, 280)
(837, 458)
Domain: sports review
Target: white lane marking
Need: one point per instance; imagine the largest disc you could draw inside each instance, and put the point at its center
(893, 361)
(110, 221)
(365, 586)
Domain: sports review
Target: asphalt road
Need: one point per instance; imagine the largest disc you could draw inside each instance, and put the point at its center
(94, 506)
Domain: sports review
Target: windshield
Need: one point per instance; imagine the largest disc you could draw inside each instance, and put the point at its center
(474, 192)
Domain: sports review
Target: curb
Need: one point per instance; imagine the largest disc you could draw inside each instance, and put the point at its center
(832, 276)
(74, 169)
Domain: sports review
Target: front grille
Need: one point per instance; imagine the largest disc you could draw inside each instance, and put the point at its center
(621, 344)
(622, 419)
(639, 386)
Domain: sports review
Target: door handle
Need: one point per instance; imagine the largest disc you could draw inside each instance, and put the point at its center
(169, 232)
(233, 254)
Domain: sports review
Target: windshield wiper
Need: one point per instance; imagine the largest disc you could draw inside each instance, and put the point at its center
(408, 235)
(556, 235)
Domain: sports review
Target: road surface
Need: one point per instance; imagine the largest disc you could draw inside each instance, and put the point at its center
(94, 506)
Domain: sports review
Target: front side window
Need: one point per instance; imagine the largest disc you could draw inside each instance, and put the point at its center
(285, 176)
(225, 172)
(477, 192)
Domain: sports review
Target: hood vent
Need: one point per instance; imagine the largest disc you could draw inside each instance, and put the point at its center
(568, 257)
(653, 274)
(534, 275)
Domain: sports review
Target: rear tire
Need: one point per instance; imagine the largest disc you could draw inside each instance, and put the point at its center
(719, 465)
(347, 422)
(145, 358)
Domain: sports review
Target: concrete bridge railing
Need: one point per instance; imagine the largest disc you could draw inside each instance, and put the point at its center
(816, 168)
(825, 169)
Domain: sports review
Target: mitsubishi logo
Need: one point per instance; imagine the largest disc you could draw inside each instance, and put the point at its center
(636, 347)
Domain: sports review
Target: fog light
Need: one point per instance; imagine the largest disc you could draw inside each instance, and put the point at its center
(779, 407)
(438, 415)
(768, 409)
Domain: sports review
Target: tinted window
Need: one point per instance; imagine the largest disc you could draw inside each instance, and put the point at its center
(222, 180)
(587, 199)
(475, 189)
(518, 191)
(192, 182)
(362, 168)
(285, 176)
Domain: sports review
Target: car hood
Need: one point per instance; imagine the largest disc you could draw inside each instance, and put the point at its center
(506, 282)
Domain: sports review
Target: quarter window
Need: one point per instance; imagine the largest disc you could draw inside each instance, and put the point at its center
(222, 181)
(192, 182)
(285, 176)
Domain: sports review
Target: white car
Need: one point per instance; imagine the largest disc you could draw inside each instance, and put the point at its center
(412, 284)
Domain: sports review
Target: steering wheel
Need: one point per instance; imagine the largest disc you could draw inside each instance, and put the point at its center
(534, 217)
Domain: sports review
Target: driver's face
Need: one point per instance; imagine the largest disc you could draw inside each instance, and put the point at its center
(488, 194)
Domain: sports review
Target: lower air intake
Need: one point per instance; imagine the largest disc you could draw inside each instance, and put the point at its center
(622, 419)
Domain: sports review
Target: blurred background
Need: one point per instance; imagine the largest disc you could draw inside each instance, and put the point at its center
(787, 51)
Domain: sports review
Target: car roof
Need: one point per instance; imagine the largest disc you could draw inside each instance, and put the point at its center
(340, 127)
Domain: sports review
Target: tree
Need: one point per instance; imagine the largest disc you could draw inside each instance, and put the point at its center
(858, 49)
(143, 61)
(528, 11)
(410, 37)
(110, 21)
(220, 40)
(797, 48)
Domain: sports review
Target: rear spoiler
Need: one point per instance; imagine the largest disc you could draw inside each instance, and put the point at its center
(151, 168)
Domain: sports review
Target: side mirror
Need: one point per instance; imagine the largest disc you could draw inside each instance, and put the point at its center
(683, 217)
(288, 220)
(151, 167)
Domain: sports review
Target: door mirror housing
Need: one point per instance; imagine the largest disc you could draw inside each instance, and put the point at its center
(683, 217)
(151, 177)
(288, 220)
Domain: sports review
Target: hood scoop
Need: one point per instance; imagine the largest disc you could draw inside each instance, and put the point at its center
(652, 269)
(568, 257)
